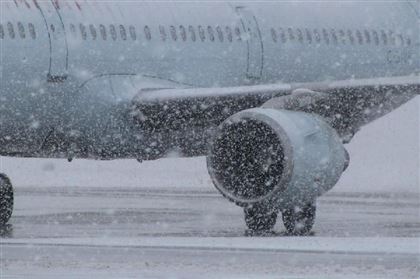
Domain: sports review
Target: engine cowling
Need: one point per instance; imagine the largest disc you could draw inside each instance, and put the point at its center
(275, 156)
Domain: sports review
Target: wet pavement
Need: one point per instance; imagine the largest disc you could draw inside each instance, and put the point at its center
(93, 232)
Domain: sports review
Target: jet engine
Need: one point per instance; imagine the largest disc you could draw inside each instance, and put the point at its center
(275, 159)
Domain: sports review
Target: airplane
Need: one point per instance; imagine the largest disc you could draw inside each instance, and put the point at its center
(269, 92)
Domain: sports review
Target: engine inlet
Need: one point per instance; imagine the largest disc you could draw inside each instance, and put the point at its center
(247, 159)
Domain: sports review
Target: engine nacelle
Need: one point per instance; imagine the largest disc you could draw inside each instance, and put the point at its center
(278, 157)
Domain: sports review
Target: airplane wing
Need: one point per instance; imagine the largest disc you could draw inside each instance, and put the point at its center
(406, 82)
(347, 104)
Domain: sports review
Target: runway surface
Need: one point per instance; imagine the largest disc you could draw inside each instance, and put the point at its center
(87, 232)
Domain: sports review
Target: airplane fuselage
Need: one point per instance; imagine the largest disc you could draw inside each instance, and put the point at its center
(71, 69)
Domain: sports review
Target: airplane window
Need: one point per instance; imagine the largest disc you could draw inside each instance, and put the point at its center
(183, 33)
(83, 31)
(173, 33)
(400, 40)
(191, 30)
(73, 30)
(21, 30)
(282, 35)
(229, 34)
(1, 31)
(375, 37)
(308, 35)
(392, 38)
(334, 36)
(113, 32)
(162, 33)
(274, 35)
(291, 34)
(238, 34)
(326, 36)
(342, 36)
(351, 37)
(220, 33)
(299, 35)
(147, 33)
(384, 37)
(317, 36)
(11, 30)
(93, 31)
(102, 30)
(123, 32)
(132, 31)
(408, 41)
(201, 33)
(359, 37)
(367, 36)
(211, 33)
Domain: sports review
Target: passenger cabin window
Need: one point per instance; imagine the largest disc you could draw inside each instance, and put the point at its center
(21, 30)
(384, 37)
(201, 33)
(326, 36)
(191, 30)
(274, 35)
(400, 40)
(229, 34)
(32, 30)
(211, 33)
(123, 33)
(375, 37)
(147, 33)
(132, 31)
(52, 28)
(83, 31)
(317, 36)
(351, 37)
(102, 30)
(334, 36)
(342, 36)
(238, 34)
(93, 31)
(1, 31)
(282, 35)
(183, 33)
(308, 35)
(11, 30)
(73, 30)
(367, 37)
(173, 33)
(162, 32)
(359, 37)
(392, 38)
(113, 32)
(220, 34)
(291, 34)
(299, 35)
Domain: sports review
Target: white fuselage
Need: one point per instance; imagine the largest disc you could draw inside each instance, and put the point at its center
(71, 68)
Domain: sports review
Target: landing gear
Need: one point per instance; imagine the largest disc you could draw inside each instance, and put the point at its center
(6, 199)
(260, 220)
(299, 220)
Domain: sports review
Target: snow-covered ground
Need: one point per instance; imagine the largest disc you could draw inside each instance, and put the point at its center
(164, 219)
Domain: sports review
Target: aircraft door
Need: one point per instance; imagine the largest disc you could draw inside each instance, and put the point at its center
(58, 42)
(254, 42)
